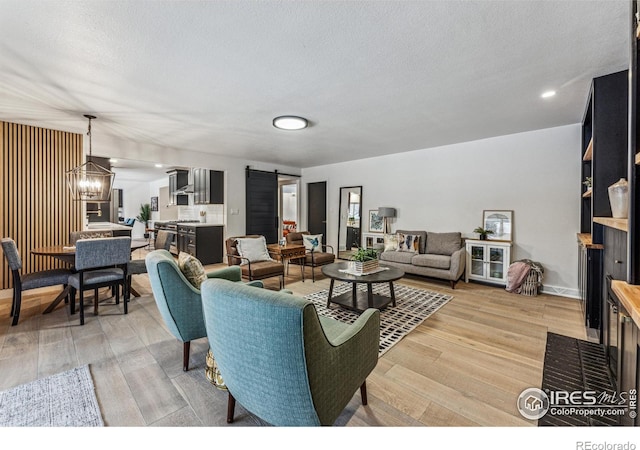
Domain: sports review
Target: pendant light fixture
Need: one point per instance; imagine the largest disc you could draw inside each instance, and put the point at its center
(90, 182)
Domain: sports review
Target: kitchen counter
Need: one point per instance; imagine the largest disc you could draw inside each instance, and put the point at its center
(199, 224)
(629, 296)
(106, 226)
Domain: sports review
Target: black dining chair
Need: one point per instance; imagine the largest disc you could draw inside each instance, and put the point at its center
(138, 266)
(100, 262)
(44, 278)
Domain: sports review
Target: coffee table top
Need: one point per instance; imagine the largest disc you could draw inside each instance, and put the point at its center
(384, 276)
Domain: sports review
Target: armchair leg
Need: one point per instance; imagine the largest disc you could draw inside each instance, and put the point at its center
(231, 406)
(186, 347)
(363, 392)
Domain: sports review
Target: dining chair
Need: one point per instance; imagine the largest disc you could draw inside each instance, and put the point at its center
(139, 266)
(100, 262)
(88, 234)
(43, 278)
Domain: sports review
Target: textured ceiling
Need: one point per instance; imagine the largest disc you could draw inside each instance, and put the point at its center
(372, 77)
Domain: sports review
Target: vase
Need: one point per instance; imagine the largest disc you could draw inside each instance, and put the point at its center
(203, 219)
(619, 199)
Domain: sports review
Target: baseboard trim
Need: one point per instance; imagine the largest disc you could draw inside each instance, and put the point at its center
(560, 291)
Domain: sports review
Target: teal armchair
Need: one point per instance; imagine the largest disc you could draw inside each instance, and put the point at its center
(179, 302)
(281, 360)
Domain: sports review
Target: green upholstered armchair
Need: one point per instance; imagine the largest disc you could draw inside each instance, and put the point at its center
(282, 361)
(179, 302)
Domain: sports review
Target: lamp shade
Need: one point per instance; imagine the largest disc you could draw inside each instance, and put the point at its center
(386, 212)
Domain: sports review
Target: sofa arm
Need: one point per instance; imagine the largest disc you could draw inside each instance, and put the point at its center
(231, 273)
(458, 261)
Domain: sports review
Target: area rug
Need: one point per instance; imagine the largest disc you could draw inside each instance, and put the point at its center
(66, 399)
(413, 306)
(575, 365)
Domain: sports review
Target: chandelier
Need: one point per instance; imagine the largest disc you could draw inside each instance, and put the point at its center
(90, 182)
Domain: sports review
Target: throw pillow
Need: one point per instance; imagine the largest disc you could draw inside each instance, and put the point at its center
(192, 269)
(408, 243)
(254, 249)
(312, 242)
(390, 242)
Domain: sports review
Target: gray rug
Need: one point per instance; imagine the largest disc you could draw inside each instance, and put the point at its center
(66, 399)
(413, 306)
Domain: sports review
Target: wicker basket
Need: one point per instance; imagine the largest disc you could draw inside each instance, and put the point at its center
(532, 284)
(361, 267)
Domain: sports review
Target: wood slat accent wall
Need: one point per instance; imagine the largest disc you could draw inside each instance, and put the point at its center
(36, 208)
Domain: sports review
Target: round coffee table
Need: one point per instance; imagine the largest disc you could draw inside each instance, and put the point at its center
(358, 300)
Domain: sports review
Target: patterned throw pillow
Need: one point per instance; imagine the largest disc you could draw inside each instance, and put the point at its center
(390, 242)
(192, 269)
(312, 242)
(408, 243)
(254, 249)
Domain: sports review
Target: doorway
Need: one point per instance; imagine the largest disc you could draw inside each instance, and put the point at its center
(317, 209)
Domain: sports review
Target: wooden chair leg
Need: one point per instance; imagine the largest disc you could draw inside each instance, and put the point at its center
(363, 392)
(16, 310)
(185, 355)
(231, 406)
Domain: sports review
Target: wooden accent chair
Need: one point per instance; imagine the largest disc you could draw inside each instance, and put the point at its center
(179, 302)
(281, 360)
(257, 270)
(312, 259)
(34, 280)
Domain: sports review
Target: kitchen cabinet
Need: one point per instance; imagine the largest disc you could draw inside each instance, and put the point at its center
(488, 261)
(208, 187)
(178, 178)
(201, 241)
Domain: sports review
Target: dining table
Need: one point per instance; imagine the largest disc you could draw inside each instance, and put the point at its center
(67, 254)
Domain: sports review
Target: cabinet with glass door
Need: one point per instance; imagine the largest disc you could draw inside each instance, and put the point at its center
(488, 261)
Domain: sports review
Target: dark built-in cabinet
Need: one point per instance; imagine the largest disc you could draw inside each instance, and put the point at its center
(603, 157)
(208, 187)
(353, 237)
(201, 241)
(178, 178)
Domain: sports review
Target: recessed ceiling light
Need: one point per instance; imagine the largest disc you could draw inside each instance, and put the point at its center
(158, 165)
(113, 160)
(290, 123)
(548, 94)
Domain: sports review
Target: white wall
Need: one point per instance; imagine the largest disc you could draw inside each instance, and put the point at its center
(535, 174)
(133, 195)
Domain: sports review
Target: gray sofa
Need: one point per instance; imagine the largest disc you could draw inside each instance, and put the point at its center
(440, 255)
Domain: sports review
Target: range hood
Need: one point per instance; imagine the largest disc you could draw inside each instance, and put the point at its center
(188, 189)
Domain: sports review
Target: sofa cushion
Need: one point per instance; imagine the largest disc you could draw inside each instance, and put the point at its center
(253, 249)
(431, 260)
(399, 257)
(443, 243)
(408, 243)
(312, 242)
(423, 238)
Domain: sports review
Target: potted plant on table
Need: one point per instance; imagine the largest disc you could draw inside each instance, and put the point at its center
(364, 260)
(483, 233)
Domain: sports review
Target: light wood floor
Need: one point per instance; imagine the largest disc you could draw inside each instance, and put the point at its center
(464, 366)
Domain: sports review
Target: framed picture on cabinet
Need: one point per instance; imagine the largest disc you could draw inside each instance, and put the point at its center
(375, 221)
(500, 222)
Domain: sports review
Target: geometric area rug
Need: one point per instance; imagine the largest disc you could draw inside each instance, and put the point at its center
(413, 306)
(66, 399)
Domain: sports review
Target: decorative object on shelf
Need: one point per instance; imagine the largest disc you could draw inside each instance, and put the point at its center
(203, 216)
(154, 203)
(499, 222)
(145, 213)
(587, 182)
(482, 233)
(386, 214)
(619, 199)
(375, 222)
(364, 260)
(90, 182)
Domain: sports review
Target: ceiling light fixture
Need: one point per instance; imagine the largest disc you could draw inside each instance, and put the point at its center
(548, 94)
(90, 182)
(113, 160)
(290, 123)
(158, 165)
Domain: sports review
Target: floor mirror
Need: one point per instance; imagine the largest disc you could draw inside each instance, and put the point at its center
(349, 220)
